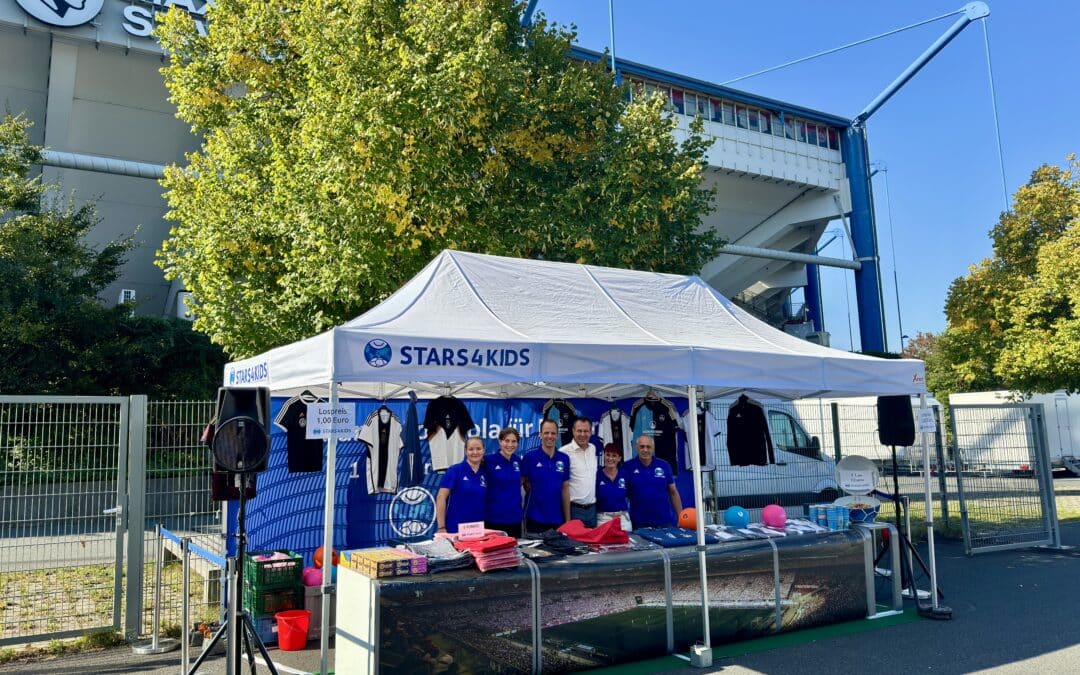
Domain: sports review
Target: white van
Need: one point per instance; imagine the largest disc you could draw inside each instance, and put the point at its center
(1000, 440)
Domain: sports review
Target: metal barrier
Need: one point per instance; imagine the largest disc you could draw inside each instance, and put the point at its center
(1004, 477)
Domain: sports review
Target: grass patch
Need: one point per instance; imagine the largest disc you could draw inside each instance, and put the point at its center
(94, 641)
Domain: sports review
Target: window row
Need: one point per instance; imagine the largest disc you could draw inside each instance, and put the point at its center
(739, 115)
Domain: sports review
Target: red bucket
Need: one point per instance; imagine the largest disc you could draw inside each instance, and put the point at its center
(292, 629)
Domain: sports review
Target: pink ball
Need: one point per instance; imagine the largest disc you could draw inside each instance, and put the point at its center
(311, 576)
(774, 515)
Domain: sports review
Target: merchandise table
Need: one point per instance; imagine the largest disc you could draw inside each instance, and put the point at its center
(582, 612)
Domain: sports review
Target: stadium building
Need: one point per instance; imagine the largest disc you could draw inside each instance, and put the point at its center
(86, 73)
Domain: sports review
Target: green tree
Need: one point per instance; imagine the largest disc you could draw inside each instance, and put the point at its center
(1014, 320)
(56, 336)
(345, 144)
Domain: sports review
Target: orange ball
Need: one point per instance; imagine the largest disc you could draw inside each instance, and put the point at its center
(688, 519)
(319, 557)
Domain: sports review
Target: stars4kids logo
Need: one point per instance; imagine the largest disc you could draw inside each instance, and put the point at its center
(412, 512)
(378, 353)
(64, 13)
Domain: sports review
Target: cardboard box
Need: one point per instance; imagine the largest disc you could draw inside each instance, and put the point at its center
(377, 562)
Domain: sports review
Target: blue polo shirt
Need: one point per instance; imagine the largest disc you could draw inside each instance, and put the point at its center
(647, 489)
(468, 493)
(504, 489)
(611, 493)
(546, 476)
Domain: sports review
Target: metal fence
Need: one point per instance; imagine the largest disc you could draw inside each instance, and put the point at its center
(1005, 481)
(83, 482)
(62, 467)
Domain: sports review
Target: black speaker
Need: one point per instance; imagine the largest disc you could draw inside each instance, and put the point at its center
(241, 438)
(896, 421)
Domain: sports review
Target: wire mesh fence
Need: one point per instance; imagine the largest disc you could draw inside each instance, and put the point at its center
(62, 462)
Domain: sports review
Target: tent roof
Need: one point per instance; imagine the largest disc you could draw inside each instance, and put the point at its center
(483, 326)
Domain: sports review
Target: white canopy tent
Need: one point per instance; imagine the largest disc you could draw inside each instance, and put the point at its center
(484, 326)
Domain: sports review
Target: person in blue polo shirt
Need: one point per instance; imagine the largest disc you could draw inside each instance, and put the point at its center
(611, 489)
(546, 473)
(463, 490)
(650, 488)
(503, 471)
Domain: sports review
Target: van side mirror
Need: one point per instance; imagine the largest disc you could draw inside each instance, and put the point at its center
(815, 446)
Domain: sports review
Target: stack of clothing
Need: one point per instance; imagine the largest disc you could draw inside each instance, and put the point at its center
(440, 553)
(670, 537)
(607, 537)
(492, 551)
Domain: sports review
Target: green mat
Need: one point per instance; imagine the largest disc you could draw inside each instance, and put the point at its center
(764, 644)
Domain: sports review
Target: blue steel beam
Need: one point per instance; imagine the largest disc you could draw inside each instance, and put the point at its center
(853, 148)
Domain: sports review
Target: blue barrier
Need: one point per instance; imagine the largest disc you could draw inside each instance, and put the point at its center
(196, 549)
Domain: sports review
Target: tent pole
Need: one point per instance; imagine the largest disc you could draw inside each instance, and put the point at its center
(929, 506)
(695, 464)
(328, 541)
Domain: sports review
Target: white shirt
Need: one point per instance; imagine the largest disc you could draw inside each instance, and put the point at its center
(582, 472)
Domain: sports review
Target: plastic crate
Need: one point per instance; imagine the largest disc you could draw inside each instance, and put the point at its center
(260, 601)
(266, 628)
(265, 575)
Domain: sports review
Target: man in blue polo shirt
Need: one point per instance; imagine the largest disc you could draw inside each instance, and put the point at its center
(546, 474)
(651, 488)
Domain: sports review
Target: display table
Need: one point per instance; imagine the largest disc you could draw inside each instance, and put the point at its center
(582, 612)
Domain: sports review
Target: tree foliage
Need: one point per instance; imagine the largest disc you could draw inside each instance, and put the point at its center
(56, 337)
(1014, 320)
(345, 144)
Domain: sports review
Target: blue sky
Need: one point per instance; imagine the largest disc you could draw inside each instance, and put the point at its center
(935, 137)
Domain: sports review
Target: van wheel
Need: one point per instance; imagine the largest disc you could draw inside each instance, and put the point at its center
(829, 495)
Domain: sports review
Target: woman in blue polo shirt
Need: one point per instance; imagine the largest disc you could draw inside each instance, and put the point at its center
(503, 471)
(611, 489)
(463, 490)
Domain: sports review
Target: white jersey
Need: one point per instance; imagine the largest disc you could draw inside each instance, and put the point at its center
(382, 435)
(615, 428)
(707, 430)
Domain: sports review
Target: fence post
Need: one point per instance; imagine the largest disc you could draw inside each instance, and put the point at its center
(939, 449)
(185, 608)
(1045, 475)
(136, 517)
(834, 410)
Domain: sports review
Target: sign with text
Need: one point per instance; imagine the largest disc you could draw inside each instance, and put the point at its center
(927, 423)
(325, 420)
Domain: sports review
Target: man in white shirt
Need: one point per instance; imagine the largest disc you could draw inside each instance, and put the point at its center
(582, 456)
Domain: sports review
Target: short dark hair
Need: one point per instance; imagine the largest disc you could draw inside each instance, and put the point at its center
(547, 421)
(581, 418)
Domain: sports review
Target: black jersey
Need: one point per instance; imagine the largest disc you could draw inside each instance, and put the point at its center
(656, 417)
(381, 434)
(447, 422)
(305, 454)
(748, 440)
(563, 414)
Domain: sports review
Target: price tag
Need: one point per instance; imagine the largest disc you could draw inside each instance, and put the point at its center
(857, 482)
(325, 420)
(471, 530)
(927, 423)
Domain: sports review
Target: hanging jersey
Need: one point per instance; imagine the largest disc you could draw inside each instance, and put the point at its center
(706, 425)
(615, 428)
(468, 494)
(563, 414)
(304, 454)
(748, 440)
(657, 417)
(447, 422)
(381, 434)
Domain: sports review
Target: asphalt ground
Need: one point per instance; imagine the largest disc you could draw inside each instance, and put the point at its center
(1013, 612)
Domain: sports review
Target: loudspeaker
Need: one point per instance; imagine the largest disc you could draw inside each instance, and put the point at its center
(223, 486)
(241, 438)
(896, 421)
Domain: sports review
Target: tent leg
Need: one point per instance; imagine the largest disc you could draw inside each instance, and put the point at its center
(700, 655)
(935, 610)
(328, 541)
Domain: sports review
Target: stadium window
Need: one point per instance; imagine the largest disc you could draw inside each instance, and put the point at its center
(729, 113)
(777, 125)
(834, 139)
(789, 128)
(702, 107)
(678, 102)
(765, 127)
(800, 131)
(752, 116)
(666, 92)
(822, 137)
(690, 101)
(811, 134)
(650, 89)
(741, 119)
(717, 116)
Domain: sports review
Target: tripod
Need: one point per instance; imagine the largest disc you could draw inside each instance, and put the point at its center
(237, 623)
(907, 577)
